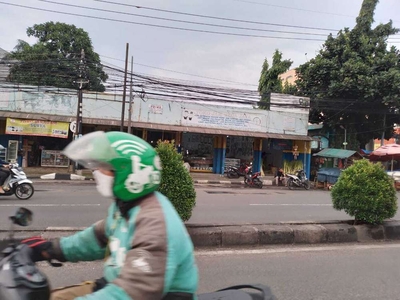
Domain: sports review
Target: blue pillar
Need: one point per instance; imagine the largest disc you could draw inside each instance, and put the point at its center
(219, 154)
(222, 155)
(308, 165)
(215, 160)
(257, 161)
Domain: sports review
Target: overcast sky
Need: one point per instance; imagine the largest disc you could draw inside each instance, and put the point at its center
(231, 58)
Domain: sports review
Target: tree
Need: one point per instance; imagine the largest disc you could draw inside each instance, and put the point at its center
(269, 80)
(354, 81)
(54, 59)
(176, 182)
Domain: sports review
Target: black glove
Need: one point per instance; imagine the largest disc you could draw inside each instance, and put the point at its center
(41, 248)
(99, 284)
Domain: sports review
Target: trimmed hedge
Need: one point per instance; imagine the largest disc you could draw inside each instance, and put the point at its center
(365, 192)
(176, 182)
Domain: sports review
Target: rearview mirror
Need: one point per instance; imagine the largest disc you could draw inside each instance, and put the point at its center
(23, 217)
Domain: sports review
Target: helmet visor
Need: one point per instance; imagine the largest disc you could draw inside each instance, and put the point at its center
(93, 151)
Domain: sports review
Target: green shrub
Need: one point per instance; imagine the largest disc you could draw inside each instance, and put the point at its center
(176, 182)
(366, 192)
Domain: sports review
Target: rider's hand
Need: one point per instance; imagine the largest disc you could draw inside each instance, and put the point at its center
(40, 248)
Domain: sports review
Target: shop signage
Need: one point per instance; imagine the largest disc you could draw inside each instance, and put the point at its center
(72, 126)
(322, 142)
(156, 108)
(37, 128)
(228, 120)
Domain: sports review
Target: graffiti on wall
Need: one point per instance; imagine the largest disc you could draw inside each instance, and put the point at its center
(48, 103)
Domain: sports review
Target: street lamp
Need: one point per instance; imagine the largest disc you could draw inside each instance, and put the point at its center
(345, 136)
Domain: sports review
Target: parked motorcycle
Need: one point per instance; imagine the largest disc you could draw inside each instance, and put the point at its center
(17, 183)
(252, 179)
(298, 180)
(20, 279)
(235, 172)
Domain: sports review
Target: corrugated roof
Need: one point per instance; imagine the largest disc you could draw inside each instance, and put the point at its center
(336, 153)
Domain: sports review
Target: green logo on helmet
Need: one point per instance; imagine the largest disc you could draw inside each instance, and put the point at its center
(143, 175)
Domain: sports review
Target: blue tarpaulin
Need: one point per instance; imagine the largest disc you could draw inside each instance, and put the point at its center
(329, 175)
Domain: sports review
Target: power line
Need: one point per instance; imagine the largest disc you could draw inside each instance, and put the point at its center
(293, 8)
(298, 9)
(183, 73)
(212, 17)
(182, 21)
(162, 26)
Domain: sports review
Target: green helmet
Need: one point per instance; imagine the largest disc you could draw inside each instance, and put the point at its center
(136, 164)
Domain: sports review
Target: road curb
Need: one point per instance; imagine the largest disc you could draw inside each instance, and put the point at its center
(218, 236)
(227, 182)
(291, 234)
(63, 176)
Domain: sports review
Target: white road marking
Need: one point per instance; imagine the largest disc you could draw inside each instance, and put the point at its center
(295, 249)
(288, 204)
(48, 205)
(65, 228)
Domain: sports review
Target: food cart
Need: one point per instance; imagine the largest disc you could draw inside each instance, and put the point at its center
(331, 162)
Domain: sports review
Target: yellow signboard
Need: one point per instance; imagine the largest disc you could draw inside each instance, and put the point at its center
(37, 128)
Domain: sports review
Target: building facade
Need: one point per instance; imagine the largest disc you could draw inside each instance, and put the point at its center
(38, 124)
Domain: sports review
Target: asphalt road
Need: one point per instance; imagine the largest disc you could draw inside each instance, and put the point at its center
(342, 272)
(79, 205)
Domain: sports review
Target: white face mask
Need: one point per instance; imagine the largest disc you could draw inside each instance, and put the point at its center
(104, 184)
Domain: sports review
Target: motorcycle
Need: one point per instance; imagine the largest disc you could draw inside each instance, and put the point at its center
(20, 279)
(252, 179)
(298, 180)
(17, 183)
(235, 172)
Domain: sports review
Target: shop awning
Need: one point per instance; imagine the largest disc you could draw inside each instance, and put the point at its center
(337, 153)
(222, 131)
(153, 126)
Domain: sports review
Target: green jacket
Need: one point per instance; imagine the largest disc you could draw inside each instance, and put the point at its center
(150, 255)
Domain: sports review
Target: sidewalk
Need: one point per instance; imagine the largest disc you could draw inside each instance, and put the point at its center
(198, 178)
(209, 178)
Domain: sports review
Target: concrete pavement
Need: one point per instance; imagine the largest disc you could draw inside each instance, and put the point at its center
(367, 272)
(222, 217)
(80, 205)
(198, 178)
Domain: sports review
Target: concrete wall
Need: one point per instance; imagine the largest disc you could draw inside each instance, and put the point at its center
(108, 107)
(197, 115)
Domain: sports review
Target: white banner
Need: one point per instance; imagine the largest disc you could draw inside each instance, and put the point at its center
(226, 120)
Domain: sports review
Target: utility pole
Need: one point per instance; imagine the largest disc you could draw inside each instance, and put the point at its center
(124, 91)
(81, 81)
(345, 137)
(130, 99)
(384, 129)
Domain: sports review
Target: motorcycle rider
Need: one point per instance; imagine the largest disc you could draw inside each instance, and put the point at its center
(280, 177)
(150, 254)
(4, 173)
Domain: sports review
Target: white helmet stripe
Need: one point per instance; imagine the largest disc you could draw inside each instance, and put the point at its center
(117, 143)
(138, 152)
